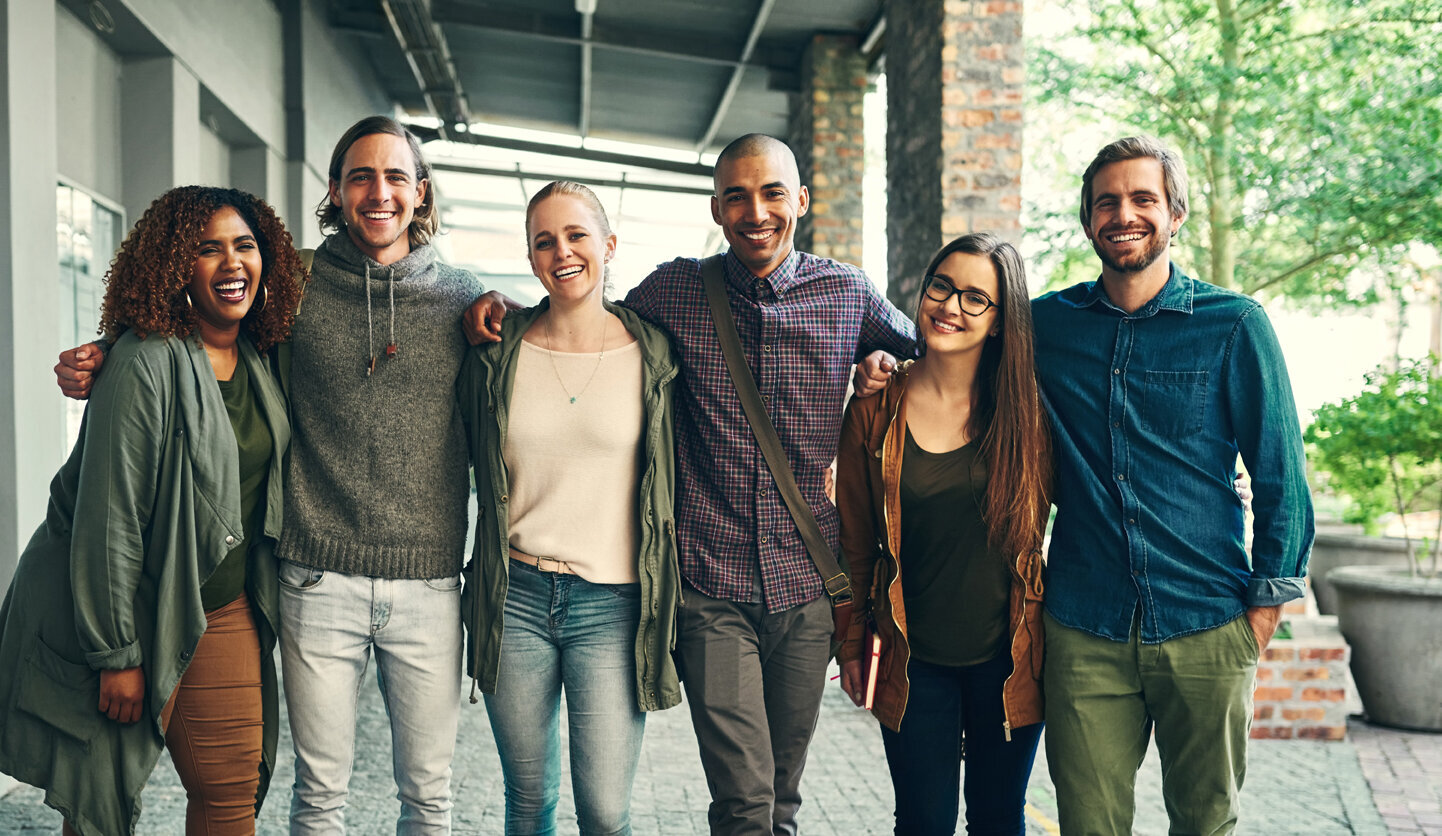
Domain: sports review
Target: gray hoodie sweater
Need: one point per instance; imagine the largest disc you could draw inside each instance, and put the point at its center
(377, 481)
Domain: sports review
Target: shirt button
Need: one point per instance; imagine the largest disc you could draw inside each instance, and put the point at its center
(761, 492)
(766, 348)
(1116, 424)
(1116, 371)
(766, 398)
(764, 538)
(230, 539)
(505, 497)
(1121, 477)
(1131, 520)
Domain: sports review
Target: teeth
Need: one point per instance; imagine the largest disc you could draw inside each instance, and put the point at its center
(379, 216)
(567, 272)
(758, 236)
(945, 326)
(225, 287)
(1130, 236)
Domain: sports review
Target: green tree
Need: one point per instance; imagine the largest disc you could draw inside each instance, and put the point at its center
(1311, 130)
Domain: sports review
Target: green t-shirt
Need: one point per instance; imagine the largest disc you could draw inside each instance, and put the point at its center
(956, 588)
(255, 445)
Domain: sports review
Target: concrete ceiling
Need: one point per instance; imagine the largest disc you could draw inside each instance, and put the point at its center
(683, 74)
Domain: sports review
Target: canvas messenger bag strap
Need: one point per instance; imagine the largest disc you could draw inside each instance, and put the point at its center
(713, 278)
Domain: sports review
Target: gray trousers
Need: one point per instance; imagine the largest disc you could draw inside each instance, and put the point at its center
(754, 682)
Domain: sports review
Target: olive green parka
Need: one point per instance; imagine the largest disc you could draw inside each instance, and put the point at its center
(483, 388)
(146, 507)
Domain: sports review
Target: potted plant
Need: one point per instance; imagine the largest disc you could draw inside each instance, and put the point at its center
(1382, 451)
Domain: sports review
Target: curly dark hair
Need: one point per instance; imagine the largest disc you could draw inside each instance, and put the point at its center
(146, 284)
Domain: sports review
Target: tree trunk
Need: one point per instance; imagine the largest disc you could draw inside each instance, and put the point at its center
(1221, 203)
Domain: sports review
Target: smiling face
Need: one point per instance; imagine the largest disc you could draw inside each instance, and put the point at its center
(1131, 225)
(568, 249)
(226, 276)
(378, 192)
(944, 326)
(757, 201)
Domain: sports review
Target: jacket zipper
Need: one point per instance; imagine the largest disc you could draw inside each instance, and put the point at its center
(896, 562)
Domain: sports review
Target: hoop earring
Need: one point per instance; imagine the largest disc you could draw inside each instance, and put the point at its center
(264, 297)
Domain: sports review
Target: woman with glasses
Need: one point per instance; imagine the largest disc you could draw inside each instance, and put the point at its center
(942, 484)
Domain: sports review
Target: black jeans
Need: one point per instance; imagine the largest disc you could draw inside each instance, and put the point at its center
(925, 756)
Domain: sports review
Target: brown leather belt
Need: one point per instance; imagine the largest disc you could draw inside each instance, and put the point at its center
(544, 564)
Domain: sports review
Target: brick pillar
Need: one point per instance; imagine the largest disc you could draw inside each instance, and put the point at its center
(826, 134)
(955, 76)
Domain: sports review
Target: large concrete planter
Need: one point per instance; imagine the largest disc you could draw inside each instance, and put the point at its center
(1394, 624)
(1331, 550)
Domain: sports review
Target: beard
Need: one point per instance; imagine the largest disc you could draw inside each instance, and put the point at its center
(1135, 263)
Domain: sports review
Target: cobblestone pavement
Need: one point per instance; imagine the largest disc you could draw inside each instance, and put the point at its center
(1293, 786)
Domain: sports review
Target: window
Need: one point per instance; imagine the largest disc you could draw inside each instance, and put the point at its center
(88, 233)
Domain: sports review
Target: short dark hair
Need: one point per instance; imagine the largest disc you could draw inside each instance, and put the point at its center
(424, 221)
(1174, 171)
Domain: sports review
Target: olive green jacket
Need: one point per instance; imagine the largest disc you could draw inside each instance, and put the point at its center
(140, 515)
(483, 388)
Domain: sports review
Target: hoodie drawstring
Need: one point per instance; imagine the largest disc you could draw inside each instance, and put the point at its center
(370, 326)
(391, 346)
(370, 322)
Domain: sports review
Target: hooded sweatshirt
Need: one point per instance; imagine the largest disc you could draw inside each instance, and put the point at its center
(377, 484)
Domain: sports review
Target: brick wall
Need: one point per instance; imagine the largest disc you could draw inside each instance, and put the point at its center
(827, 136)
(1304, 684)
(955, 84)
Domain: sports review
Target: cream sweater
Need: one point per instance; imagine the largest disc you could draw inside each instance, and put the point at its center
(574, 466)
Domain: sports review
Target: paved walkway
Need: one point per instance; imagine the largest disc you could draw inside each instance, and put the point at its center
(1293, 787)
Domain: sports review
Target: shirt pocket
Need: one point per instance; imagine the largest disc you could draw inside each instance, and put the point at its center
(1172, 403)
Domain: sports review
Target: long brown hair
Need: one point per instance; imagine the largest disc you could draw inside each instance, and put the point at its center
(146, 285)
(1006, 411)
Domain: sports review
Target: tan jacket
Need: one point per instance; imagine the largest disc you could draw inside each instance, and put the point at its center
(868, 475)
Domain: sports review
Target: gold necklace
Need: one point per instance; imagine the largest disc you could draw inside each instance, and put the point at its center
(550, 351)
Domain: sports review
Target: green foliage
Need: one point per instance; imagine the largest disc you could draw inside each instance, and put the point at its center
(1310, 128)
(1382, 449)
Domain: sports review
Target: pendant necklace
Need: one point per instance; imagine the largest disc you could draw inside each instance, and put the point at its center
(557, 372)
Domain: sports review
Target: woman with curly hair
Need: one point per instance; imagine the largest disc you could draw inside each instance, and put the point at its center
(143, 611)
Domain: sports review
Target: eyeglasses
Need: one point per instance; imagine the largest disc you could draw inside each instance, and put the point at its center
(973, 302)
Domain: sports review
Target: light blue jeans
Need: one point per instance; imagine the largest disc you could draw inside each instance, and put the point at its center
(564, 632)
(330, 624)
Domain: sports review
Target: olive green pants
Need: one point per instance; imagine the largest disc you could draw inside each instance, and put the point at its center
(1103, 700)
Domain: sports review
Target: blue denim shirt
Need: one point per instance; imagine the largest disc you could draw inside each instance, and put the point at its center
(1149, 411)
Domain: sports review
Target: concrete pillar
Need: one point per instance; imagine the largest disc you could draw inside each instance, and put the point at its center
(260, 171)
(32, 417)
(826, 134)
(955, 80)
(160, 130)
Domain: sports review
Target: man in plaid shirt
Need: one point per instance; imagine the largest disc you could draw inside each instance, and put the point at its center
(755, 624)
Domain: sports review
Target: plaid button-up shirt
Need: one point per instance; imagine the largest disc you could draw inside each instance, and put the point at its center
(801, 328)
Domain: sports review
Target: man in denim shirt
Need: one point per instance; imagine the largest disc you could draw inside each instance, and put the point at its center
(1155, 615)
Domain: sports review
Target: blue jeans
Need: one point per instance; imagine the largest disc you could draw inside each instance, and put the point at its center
(330, 624)
(925, 756)
(564, 632)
